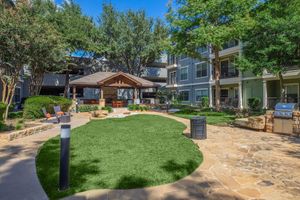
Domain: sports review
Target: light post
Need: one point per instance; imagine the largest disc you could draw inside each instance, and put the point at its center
(64, 157)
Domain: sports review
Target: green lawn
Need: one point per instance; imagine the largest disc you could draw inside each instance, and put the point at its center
(137, 151)
(213, 118)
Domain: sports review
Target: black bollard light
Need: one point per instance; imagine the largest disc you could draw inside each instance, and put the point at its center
(65, 133)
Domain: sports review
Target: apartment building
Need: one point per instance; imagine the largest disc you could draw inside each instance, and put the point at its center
(194, 79)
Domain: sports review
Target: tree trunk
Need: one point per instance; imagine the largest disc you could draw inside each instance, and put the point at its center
(9, 102)
(36, 82)
(217, 69)
(4, 87)
(282, 89)
(67, 83)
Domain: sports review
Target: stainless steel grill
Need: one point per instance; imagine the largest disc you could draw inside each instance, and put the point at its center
(285, 110)
(283, 117)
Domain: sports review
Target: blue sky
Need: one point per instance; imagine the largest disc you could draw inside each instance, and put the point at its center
(154, 8)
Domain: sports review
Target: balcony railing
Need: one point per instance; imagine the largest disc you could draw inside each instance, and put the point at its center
(272, 101)
(229, 102)
(228, 74)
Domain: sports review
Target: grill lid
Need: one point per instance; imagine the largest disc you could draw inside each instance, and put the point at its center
(285, 110)
(286, 107)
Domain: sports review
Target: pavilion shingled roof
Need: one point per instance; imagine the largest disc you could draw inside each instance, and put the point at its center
(96, 78)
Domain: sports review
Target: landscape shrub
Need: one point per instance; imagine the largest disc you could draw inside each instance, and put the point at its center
(87, 108)
(108, 108)
(242, 113)
(204, 102)
(20, 124)
(2, 110)
(15, 115)
(254, 103)
(136, 107)
(33, 105)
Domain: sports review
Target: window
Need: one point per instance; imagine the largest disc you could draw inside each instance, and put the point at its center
(224, 93)
(201, 93)
(202, 49)
(172, 59)
(184, 95)
(184, 73)
(227, 69)
(172, 79)
(201, 70)
(292, 93)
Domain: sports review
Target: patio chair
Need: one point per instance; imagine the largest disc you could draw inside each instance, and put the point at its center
(46, 114)
(61, 116)
(58, 111)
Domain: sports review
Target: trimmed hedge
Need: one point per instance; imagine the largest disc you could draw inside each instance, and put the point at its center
(108, 108)
(2, 110)
(15, 115)
(136, 107)
(33, 105)
(87, 108)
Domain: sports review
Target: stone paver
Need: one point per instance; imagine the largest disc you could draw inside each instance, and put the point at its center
(238, 164)
(18, 179)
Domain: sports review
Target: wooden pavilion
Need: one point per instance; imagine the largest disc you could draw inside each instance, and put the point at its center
(109, 83)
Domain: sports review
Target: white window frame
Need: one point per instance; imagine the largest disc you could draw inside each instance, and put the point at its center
(187, 77)
(225, 88)
(201, 89)
(196, 70)
(186, 90)
(170, 77)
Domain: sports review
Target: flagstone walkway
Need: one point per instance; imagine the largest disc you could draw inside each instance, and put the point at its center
(238, 164)
(18, 178)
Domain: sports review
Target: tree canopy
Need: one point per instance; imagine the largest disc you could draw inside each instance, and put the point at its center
(130, 40)
(273, 44)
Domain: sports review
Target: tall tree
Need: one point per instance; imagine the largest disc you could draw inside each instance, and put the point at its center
(197, 23)
(274, 42)
(15, 30)
(47, 49)
(131, 41)
(77, 31)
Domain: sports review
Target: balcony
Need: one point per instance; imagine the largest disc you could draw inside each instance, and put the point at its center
(291, 71)
(229, 74)
(227, 102)
(154, 72)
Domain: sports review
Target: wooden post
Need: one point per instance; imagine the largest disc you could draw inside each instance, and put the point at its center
(101, 93)
(265, 95)
(74, 92)
(140, 94)
(101, 99)
(135, 93)
(135, 96)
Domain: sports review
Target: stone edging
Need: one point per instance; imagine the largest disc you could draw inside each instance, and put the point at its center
(25, 132)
